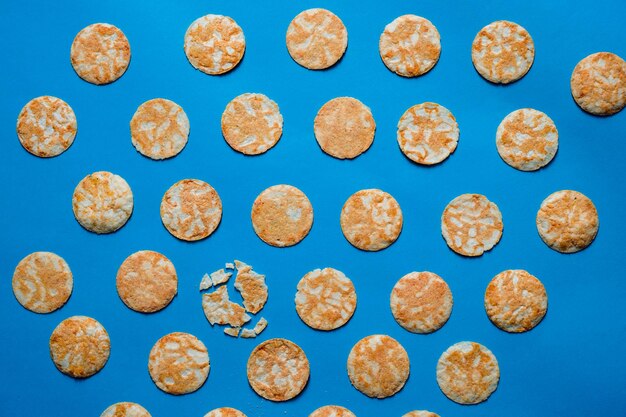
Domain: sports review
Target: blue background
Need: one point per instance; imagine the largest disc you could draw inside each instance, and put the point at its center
(572, 364)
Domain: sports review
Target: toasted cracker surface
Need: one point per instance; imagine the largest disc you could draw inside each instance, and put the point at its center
(100, 53)
(42, 282)
(598, 83)
(344, 127)
(125, 409)
(332, 411)
(79, 346)
(179, 363)
(567, 221)
(316, 39)
(253, 290)
(225, 412)
(371, 219)
(102, 202)
(468, 373)
(218, 309)
(378, 366)
(278, 370)
(420, 413)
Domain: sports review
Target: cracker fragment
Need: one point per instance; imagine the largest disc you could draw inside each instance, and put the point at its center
(598, 84)
(253, 290)
(248, 333)
(229, 265)
(206, 282)
(232, 331)
(218, 309)
(260, 326)
(220, 277)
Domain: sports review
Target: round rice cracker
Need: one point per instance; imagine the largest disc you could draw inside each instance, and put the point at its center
(102, 202)
(325, 299)
(598, 84)
(225, 412)
(282, 215)
(421, 413)
(378, 366)
(316, 39)
(344, 128)
(332, 411)
(79, 346)
(410, 45)
(468, 373)
(214, 44)
(371, 220)
(527, 139)
(100, 53)
(159, 129)
(515, 301)
(278, 370)
(146, 281)
(471, 224)
(191, 210)
(42, 282)
(125, 409)
(427, 133)
(179, 363)
(252, 124)
(46, 126)
(421, 302)
(567, 221)
(503, 52)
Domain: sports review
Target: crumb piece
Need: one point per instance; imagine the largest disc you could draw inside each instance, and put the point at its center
(260, 326)
(232, 331)
(248, 333)
(206, 283)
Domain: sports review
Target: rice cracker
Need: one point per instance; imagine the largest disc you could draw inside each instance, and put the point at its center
(252, 124)
(316, 39)
(179, 363)
(515, 301)
(191, 210)
(427, 133)
(598, 84)
(100, 53)
(378, 366)
(325, 299)
(471, 224)
(146, 281)
(332, 411)
(125, 409)
(42, 282)
(420, 413)
(282, 215)
(421, 302)
(344, 128)
(371, 220)
(102, 202)
(46, 126)
(278, 370)
(567, 221)
(468, 373)
(410, 45)
(80, 346)
(225, 412)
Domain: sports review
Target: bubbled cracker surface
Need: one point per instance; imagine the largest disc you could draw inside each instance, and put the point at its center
(191, 210)
(410, 45)
(371, 219)
(378, 366)
(344, 127)
(100, 53)
(102, 202)
(567, 221)
(179, 363)
(471, 224)
(218, 309)
(598, 83)
(214, 44)
(42, 282)
(79, 346)
(225, 412)
(159, 129)
(282, 215)
(503, 52)
(527, 139)
(421, 302)
(468, 373)
(253, 290)
(427, 133)
(46, 126)
(332, 411)
(325, 299)
(316, 39)
(252, 124)
(125, 409)
(278, 370)
(147, 281)
(420, 413)
(515, 301)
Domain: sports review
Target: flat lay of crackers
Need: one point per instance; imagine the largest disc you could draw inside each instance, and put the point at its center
(331, 209)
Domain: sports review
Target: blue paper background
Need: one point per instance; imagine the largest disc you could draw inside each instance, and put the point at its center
(572, 364)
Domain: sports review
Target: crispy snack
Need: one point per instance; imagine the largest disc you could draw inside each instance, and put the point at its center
(420, 413)
(125, 409)
(598, 84)
(218, 309)
(225, 412)
(253, 290)
(332, 411)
